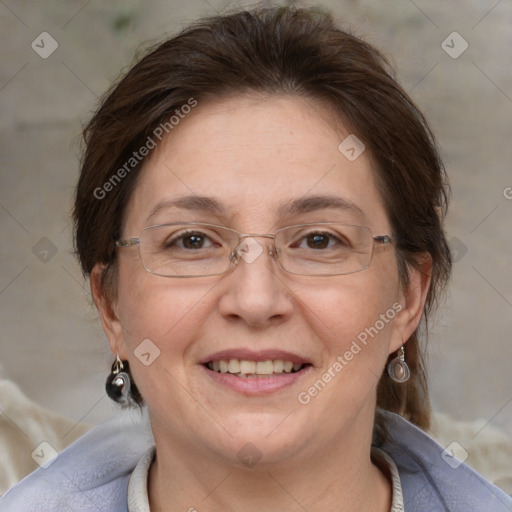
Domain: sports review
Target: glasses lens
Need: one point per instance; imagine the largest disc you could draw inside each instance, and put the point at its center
(193, 249)
(186, 250)
(324, 249)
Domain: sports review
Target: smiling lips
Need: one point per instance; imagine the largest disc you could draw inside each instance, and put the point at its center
(248, 363)
(254, 369)
(255, 373)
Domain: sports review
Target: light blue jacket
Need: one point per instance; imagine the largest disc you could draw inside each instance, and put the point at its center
(91, 475)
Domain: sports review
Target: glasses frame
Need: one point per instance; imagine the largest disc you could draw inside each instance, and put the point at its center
(234, 257)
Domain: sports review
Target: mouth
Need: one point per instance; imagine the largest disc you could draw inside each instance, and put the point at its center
(254, 369)
(254, 373)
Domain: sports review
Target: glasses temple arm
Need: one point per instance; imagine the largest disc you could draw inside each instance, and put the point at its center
(384, 239)
(127, 242)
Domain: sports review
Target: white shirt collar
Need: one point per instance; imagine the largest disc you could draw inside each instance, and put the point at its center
(138, 500)
(397, 503)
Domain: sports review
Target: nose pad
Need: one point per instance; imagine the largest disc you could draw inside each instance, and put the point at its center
(249, 249)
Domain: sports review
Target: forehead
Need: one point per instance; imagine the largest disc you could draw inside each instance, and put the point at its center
(255, 159)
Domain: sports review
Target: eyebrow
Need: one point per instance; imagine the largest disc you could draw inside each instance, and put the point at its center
(312, 203)
(194, 203)
(306, 204)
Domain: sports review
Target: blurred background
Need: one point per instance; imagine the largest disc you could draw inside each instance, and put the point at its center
(58, 58)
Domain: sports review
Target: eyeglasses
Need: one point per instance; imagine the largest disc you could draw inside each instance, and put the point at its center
(199, 250)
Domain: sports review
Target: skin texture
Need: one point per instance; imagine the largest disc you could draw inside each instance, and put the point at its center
(253, 153)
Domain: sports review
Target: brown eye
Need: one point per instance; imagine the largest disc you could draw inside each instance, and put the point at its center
(317, 241)
(194, 241)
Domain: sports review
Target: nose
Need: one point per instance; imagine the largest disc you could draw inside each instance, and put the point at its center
(255, 291)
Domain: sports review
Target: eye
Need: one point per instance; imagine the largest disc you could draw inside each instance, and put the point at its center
(321, 240)
(190, 240)
(318, 240)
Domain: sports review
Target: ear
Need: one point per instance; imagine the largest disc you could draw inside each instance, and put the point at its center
(413, 301)
(106, 307)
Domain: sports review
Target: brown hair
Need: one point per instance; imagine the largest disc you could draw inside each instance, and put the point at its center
(274, 51)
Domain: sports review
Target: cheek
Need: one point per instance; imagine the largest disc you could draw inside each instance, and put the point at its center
(165, 311)
(348, 304)
(353, 318)
(161, 318)
(356, 347)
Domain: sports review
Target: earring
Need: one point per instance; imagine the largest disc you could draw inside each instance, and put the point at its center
(118, 382)
(397, 368)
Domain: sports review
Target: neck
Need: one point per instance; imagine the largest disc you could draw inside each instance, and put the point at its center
(339, 477)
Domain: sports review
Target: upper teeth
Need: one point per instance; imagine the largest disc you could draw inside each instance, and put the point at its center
(242, 366)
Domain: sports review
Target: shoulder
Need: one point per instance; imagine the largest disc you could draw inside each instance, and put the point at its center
(93, 471)
(432, 479)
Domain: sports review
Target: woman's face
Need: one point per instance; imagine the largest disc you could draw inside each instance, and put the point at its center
(253, 156)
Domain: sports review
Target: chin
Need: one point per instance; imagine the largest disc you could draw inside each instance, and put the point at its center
(264, 438)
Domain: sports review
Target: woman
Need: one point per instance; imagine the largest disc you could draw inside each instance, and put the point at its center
(260, 213)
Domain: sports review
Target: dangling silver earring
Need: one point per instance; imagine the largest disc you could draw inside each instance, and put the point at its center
(397, 367)
(118, 382)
